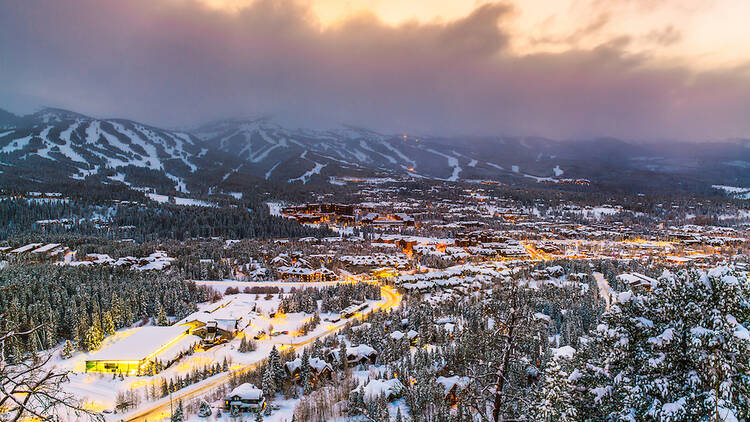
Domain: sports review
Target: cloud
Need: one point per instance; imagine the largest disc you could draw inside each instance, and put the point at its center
(171, 62)
(665, 36)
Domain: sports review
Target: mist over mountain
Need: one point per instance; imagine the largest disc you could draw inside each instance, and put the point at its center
(54, 144)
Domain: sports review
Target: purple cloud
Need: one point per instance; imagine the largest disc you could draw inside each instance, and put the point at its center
(179, 63)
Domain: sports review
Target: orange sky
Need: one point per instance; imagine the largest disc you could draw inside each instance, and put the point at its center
(700, 33)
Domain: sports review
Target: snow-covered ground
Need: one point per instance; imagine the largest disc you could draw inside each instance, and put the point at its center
(179, 201)
(100, 390)
(734, 191)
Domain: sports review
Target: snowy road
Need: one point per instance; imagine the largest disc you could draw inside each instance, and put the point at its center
(605, 291)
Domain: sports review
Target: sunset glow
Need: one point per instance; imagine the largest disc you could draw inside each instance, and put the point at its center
(703, 34)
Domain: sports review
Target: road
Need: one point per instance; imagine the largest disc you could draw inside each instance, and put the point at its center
(160, 409)
(605, 291)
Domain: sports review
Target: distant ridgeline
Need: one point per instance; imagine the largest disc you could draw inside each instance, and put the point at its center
(143, 218)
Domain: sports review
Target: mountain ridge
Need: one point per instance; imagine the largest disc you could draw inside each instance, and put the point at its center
(54, 143)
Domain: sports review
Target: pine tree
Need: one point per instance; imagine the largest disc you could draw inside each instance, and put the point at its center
(178, 413)
(93, 338)
(67, 350)
(678, 353)
(317, 349)
(343, 361)
(161, 318)
(269, 384)
(205, 409)
(276, 368)
(553, 401)
(164, 388)
(109, 325)
(258, 417)
(305, 372)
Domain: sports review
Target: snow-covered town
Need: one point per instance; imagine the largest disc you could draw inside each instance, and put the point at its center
(374, 211)
(404, 310)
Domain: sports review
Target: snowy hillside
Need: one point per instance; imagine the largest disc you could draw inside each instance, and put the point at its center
(80, 146)
(55, 145)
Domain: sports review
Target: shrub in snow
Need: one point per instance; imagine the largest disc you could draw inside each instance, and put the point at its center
(205, 409)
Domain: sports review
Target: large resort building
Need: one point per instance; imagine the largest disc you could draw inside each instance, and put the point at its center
(144, 346)
(138, 349)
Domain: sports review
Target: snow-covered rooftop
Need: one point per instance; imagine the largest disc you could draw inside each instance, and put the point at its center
(145, 341)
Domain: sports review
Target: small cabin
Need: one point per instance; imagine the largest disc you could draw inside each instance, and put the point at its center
(245, 398)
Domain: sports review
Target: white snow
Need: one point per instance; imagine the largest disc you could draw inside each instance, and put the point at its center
(496, 166)
(140, 342)
(452, 162)
(563, 352)
(734, 191)
(671, 409)
(376, 388)
(308, 174)
(268, 173)
(179, 201)
(17, 144)
(400, 154)
(274, 208)
(558, 171)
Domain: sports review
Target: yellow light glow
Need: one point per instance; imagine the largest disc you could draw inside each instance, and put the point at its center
(705, 34)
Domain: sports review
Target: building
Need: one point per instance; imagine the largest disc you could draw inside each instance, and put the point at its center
(222, 323)
(355, 354)
(319, 368)
(638, 281)
(141, 347)
(306, 274)
(245, 398)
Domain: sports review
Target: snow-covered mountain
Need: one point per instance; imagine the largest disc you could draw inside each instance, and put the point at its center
(55, 145)
(275, 153)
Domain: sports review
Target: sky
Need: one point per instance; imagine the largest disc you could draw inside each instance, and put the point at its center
(565, 69)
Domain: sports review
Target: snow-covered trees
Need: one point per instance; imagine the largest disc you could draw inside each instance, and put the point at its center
(204, 410)
(108, 324)
(161, 318)
(83, 304)
(305, 374)
(247, 345)
(93, 338)
(67, 350)
(178, 414)
(553, 401)
(681, 352)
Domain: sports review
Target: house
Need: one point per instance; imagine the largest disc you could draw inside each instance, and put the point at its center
(222, 323)
(24, 249)
(319, 368)
(452, 387)
(390, 389)
(355, 354)
(638, 281)
(246, 398)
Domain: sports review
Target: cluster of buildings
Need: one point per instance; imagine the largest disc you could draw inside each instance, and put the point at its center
(346, 215)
